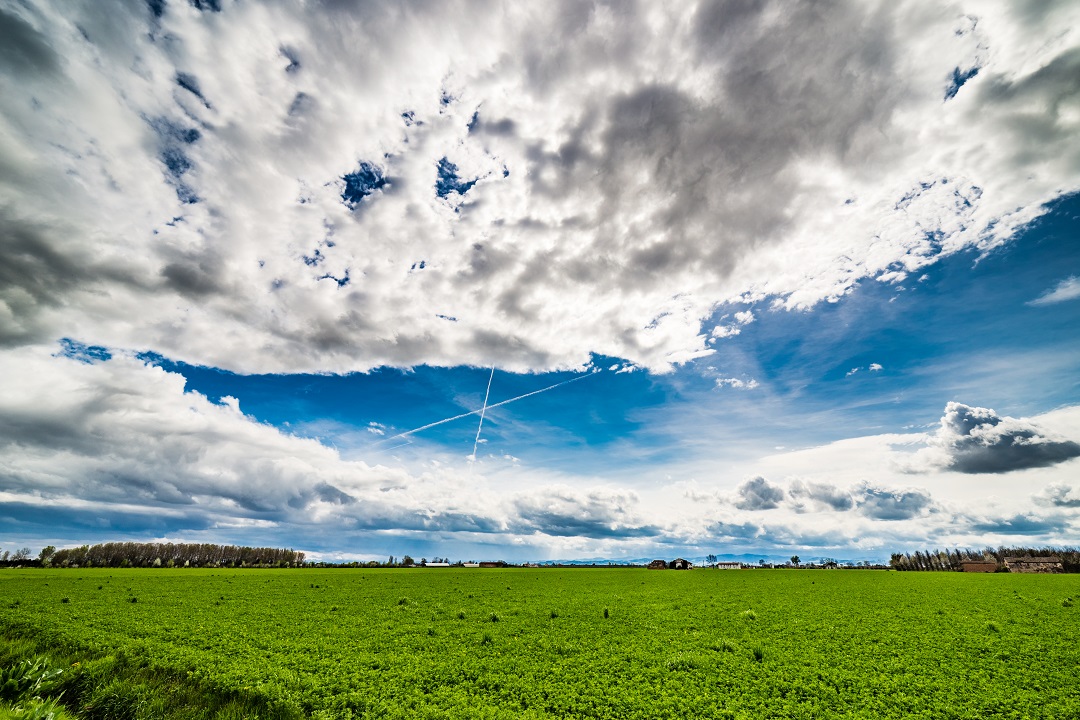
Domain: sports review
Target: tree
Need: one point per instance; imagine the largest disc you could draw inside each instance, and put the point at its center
(795, 560)
(21, 554)
(711, 558)
(46, 554)
(407, 561)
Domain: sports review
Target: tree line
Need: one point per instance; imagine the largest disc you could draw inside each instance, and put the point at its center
(952, 560)
(130, 554)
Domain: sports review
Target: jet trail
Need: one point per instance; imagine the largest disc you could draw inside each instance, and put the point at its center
(407, 433)
(487, 394)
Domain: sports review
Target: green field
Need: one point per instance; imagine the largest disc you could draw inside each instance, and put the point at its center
(567, 643)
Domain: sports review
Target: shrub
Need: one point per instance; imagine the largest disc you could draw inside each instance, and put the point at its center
(759, 653)
(486, 639)
(749, 615)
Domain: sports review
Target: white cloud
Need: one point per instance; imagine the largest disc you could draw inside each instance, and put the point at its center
(741, 318)
(737, 383)
(875, 367)
(1067, 289)
(635, 170)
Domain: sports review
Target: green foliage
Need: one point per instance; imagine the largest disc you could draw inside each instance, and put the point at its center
(27, 678)
(838, 644)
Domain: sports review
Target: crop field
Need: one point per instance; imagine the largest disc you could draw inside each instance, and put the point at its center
(572, 643)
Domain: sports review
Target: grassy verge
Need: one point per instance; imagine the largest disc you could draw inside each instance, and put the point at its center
(43, 682)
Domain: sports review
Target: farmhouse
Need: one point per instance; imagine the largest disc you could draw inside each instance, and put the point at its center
(728, 566)
(1048, 564)
(680, 564)
(658, 565)
(985, 566)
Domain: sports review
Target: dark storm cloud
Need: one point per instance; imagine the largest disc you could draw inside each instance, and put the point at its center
(1021, 525)
(978, 440)
(758, 494)
(23, 49)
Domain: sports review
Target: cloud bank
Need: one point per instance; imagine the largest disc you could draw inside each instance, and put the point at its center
(273, 189)
(105, 445)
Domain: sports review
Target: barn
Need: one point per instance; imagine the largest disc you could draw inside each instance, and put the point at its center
(680, 564)
(1047, 565)
(657, 565)
(984, 566)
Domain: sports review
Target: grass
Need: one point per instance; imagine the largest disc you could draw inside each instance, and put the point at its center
(674, 645)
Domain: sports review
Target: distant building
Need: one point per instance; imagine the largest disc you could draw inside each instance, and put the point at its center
(1034, 564)
(470, 564)
(488, 564)
(438, 564)
(728, 566)
(680, 564)
(658, 565)
(984, 566)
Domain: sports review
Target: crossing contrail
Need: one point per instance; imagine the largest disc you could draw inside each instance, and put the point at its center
(487, 394)
(407, 433)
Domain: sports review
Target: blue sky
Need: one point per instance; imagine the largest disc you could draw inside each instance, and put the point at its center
(970, 311)
(793, 279)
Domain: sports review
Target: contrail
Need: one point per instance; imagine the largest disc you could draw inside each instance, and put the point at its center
(487, 393)
(407, 433)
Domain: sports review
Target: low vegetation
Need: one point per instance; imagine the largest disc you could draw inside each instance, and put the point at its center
(700, 644)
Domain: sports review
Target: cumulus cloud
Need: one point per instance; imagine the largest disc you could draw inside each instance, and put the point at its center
(820, 496)
(271, 188)
(892, 504)
(734, 327)
(978, 440)
(566, 511)
(1067, 289)
(1062, 496)
(758, 494)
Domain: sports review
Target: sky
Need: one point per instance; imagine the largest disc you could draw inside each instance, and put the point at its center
(535, 281)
